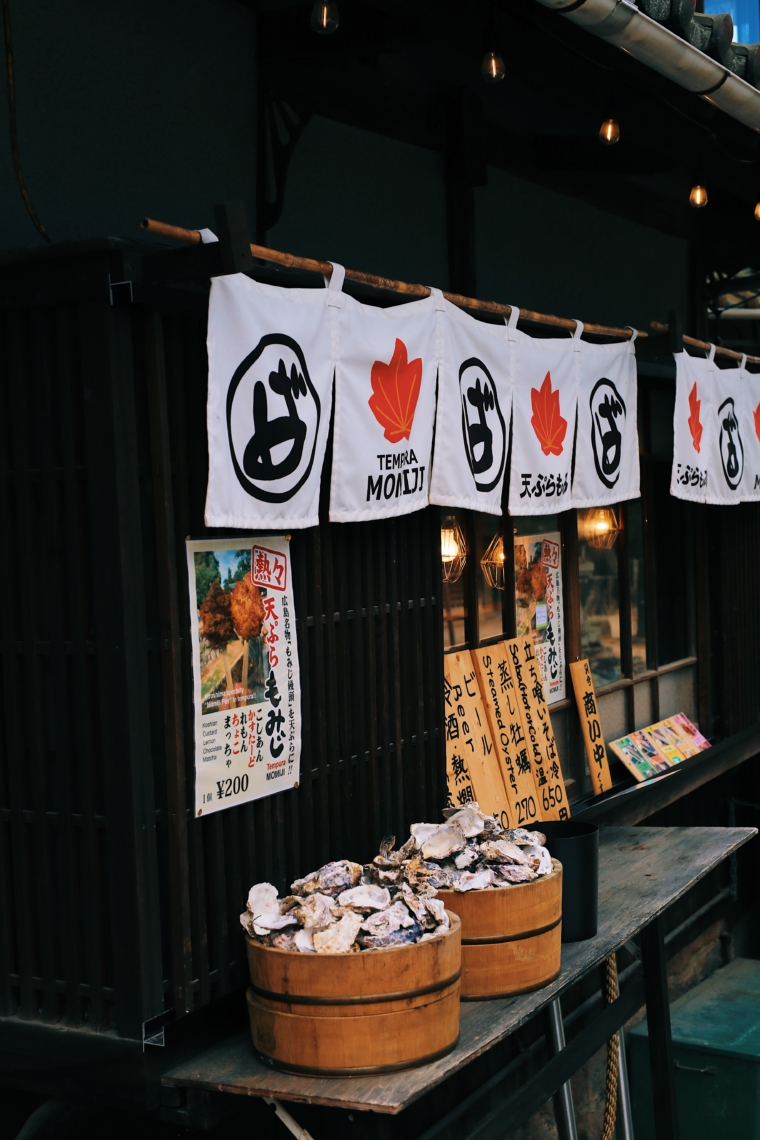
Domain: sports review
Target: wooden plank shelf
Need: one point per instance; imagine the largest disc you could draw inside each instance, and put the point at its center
(642, 872)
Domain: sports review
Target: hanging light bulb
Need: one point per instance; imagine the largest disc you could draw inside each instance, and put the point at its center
(453, 549)
(324, 17)
(609, 132)
(493, 68)
(599, 527)
(757, 212)
(698, 195)
(492, 563)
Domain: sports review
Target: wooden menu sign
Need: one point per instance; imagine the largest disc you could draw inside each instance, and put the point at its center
(596, 753)
(500, 698)
(472, 771)
(538, 733)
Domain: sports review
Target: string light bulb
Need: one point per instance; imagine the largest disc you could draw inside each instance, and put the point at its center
(492, 563)
(698, 196)
(453, 549)
(609, 132)
(493, 69)
(324, 17)
(757, 212)
(599, 527)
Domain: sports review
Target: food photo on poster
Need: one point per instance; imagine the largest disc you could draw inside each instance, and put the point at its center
(245, 670)
(538, 602)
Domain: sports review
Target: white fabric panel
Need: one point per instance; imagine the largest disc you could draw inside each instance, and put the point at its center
(472, 418)
(726, 441)
(544, 402)
(692, 425)
(385, 383)
(270, 356)
(607, 441)
(750, 384)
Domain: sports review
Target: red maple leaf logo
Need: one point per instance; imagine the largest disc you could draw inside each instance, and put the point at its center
(546, 421)
(395, 389)
(695, 427)
(756, 415)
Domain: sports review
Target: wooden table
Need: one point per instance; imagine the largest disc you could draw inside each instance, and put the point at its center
(642, 871)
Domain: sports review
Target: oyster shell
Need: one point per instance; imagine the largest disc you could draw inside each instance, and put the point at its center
(474, 882)
(420, 874)
(330, 879)
(303, 940)
(422, 831)
(466, 857)
(545, 865)
(439, 930)
(386, 921)
(262, 899)
(525, 838)
(388, 874)
(470, 820)
(502, 851)
(263, 923)
(436, 908)
(392, 938)
(514, 873)
(366, 898)
(340, 936)
(415, 904)
(315, 912)
(444, 841)
(283, 940)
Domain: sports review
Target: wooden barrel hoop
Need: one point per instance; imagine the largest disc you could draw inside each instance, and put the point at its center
(368, 1071)
(511, 937)
(310, 999)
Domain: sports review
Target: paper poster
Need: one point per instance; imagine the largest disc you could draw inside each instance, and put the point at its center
(750, 387)
(544, 403)
(246, 690)
(593, 739)
(473, 413)
(538, 601)
(385, 386)
(270, 355)
(606, 469)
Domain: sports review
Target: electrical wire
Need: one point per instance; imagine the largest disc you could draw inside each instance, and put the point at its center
(12, 122)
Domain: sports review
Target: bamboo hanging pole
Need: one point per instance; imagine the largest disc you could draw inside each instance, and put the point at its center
(309, 265)
(730, 352)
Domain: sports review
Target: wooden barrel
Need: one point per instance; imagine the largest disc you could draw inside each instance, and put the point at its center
(341, 1015)
(511, 936)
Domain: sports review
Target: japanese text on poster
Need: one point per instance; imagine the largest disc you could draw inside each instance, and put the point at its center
(246, 687)
(538, 590)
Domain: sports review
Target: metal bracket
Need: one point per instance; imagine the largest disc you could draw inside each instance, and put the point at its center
(153, 1028)
(234, 240)
(120, 292)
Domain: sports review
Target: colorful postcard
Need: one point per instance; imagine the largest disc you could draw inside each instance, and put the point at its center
(685, 728)
(635, 760)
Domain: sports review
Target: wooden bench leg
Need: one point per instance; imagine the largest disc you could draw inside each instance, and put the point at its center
(658, 1020)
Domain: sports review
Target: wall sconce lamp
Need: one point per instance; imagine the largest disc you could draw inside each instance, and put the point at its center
(492, 563)
(599, 527)
(453, 549)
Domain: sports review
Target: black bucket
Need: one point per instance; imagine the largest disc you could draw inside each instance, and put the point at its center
(576, 845)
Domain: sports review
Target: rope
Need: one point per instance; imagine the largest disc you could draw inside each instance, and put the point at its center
(613, 1045)
(12, 122)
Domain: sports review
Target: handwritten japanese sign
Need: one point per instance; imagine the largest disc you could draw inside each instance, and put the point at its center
(591, 726)
(502, 701)
(537, 729)
(246, 689)
(472, 770)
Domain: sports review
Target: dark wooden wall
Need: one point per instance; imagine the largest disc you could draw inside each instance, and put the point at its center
(115, 902)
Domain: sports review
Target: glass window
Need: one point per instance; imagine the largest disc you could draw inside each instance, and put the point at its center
(454, 572)
(600, 609)
(673, 557)
(638, 597)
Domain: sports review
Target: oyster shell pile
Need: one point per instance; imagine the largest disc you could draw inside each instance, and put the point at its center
(345, 908)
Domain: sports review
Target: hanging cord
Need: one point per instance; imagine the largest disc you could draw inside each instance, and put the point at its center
(12, 122)
(613, 1046)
